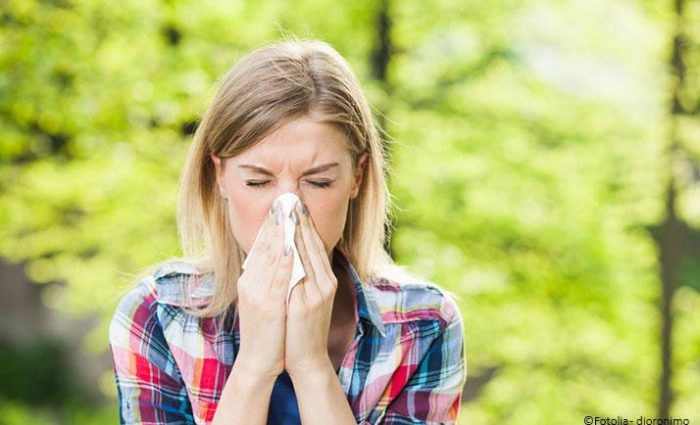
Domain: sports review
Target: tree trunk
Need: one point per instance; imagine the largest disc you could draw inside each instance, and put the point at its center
(381, 56)
(671, 232)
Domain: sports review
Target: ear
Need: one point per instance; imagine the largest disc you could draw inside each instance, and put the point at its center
(359, 174)
(219, 174)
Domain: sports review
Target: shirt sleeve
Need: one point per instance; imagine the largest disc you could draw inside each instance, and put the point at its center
(150, 388)
(433, 393)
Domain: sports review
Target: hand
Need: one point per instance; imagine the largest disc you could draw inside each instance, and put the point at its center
(262, 291)
(310, 303)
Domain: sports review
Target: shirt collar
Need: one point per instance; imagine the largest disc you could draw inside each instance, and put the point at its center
(366, 305)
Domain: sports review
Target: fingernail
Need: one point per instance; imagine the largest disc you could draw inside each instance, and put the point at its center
(275, 205)
(295, 217)
(304, 210)
(287, 250)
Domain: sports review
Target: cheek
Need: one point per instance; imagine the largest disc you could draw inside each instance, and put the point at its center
(247, 212)
(328, 213)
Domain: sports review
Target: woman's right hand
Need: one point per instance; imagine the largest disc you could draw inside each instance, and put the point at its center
(262, 292)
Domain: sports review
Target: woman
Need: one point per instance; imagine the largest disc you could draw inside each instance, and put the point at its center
(201, 340)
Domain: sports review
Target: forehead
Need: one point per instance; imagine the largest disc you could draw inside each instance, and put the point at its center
(301, 140)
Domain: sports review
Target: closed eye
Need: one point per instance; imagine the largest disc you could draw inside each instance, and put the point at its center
(320, 184)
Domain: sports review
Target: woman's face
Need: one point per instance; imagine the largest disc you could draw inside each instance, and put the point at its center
(305, 156)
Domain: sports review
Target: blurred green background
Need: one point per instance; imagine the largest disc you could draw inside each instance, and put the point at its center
(545, 159)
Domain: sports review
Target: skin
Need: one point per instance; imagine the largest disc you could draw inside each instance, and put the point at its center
(287, 153)
(311, 339)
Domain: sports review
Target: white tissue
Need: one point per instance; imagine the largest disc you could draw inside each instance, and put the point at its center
(287, 202)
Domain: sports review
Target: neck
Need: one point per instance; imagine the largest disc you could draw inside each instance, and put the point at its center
(343, 306)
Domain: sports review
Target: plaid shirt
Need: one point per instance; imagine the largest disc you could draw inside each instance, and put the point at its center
(406, 365)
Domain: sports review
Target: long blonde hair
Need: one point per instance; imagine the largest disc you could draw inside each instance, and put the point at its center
(267, 88)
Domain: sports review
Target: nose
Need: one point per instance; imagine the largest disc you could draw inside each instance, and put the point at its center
(291, 188)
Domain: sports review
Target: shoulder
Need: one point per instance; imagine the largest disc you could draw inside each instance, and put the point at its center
(134, 325)
(139, 300)
(410, 298)
(161, 286)
(423, 323)
(180, 283)
(140, 348)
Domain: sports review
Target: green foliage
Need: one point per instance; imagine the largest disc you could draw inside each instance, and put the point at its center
(528, 163)
(39, 373)
(16, 413)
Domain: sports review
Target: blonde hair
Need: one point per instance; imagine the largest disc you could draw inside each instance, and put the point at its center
(267, 88)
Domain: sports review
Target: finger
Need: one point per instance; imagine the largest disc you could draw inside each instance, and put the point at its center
(317, 242)
(310, 281)
(258, 251)
(306, 283)
(261, 241)
(273, 250)
(316, 254)
(277, 240)
(268, 227)
(282, 274)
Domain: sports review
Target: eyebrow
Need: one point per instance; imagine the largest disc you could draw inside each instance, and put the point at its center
(317, 169)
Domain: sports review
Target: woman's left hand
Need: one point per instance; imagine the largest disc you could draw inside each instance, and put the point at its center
(310, 303)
